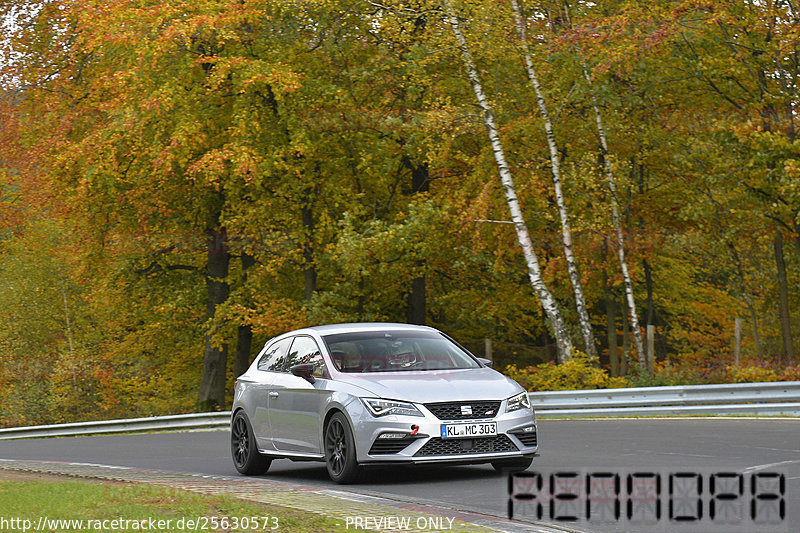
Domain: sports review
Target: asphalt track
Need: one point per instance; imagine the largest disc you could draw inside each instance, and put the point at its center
(703, 445)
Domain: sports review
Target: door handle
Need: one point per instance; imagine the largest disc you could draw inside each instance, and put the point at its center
(273, 394)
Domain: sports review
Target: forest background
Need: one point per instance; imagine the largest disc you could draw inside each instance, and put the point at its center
(180, 181)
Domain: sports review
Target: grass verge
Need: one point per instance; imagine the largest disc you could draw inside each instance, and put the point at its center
(31, 501)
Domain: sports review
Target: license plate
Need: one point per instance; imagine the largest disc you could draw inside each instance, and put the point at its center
(450, 431)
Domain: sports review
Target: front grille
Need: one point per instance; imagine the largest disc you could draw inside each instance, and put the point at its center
(452, 410)
(440, 446)
(528, 439)
(388, 446)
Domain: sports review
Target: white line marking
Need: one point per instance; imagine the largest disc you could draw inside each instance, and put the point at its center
(352, 496)
(645, 418)
(102, 466)
(685, 454)
(772, 449)
(756, 468)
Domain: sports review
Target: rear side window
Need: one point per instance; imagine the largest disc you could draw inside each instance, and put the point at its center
(275, 356)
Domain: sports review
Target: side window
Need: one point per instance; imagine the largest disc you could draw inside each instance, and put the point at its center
(305, 350)
(274, 356)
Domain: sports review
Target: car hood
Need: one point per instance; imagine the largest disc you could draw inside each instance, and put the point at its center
(437, 386)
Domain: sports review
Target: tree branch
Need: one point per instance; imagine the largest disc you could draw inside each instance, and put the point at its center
(156, 267)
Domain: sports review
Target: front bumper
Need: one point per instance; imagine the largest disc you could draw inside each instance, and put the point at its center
(516, 437)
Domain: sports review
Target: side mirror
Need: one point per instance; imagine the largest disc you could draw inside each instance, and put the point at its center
(305, 371)
(487, 362)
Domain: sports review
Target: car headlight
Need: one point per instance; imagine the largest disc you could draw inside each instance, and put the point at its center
(518, 401)
(381, 407)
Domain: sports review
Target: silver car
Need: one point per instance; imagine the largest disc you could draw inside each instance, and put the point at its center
(355, 395)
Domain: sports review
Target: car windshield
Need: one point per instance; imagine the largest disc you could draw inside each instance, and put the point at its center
(396, 351)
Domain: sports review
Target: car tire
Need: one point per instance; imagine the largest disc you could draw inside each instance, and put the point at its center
(244, 450)
(340, 450)
(512, 466)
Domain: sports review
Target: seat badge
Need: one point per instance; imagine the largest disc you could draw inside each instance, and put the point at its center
(466, 410)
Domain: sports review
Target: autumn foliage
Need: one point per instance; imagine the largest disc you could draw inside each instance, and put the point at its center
(180, 181)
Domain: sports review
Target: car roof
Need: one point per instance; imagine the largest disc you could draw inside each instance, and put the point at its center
(363, 326)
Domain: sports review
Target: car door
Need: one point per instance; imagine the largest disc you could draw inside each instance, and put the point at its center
(296, 404)
(270, 364)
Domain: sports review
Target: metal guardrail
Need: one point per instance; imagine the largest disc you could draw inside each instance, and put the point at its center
(763, 399)
(131, 425)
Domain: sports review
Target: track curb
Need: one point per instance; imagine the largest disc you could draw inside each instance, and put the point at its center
(337, 504)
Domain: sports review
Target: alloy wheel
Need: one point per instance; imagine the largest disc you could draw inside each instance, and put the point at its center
(240, 441)
(336, 446)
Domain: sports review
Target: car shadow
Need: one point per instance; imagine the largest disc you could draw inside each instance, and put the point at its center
(383, 475)
(392, 475)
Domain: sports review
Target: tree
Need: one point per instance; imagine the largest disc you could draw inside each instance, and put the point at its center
(566, 232)
(534, 271)
(617, 223)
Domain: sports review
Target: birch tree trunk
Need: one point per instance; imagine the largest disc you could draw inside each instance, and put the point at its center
(615, 220)
(555, 164)
(549, 303)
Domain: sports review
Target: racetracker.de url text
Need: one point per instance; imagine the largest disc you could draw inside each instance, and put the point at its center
(200, 523)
